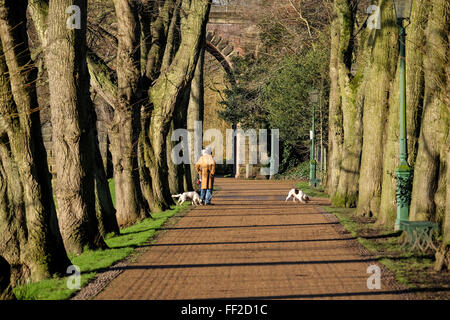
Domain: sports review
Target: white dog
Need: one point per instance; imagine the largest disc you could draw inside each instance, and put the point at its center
(192, 196)
(298, 194)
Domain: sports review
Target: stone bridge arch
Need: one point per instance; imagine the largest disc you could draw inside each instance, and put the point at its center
(221, 49)
(231, 32)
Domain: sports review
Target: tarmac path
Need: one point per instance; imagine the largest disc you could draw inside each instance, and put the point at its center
(253, 245)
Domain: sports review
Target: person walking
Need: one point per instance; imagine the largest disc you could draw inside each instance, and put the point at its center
(206, 167)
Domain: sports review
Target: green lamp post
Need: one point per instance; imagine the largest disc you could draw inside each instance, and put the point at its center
(314, 98)
(404, 172)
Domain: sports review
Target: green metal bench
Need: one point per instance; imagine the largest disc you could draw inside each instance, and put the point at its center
(419, 235)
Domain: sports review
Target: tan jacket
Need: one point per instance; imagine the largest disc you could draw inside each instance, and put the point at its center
(206, 167)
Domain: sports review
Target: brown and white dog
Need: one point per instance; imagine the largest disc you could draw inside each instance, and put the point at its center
(298, 194)
(192, 196)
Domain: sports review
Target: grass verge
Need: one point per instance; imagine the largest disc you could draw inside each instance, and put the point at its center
(91, 262)
(412, 269)
(318, 192)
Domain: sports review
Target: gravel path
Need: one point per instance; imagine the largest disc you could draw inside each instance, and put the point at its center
(250, 244)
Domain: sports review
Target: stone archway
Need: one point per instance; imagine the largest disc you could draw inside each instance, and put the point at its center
(221, 49)
(218, 69)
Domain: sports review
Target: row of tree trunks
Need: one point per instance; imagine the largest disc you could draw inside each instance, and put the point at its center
(37, 241)
(29, 236)
(167, 93)
(373, 92)
(156, 180)
(158, 32)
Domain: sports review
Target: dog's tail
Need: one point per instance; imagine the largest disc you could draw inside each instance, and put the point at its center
(176, 195)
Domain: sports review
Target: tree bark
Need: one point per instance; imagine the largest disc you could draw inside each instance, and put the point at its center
(388, 207)
(71, 120)
(415, 52)
(335, 131)
(347, 189)
(195, 112)
(143, 161)
(380, 70)
(29, 237)
(102, 79)
(446, 227)
(104, 207)
(429, 166)
(125, 129)
(176, 171)
(443, 254)
(106, 213)
(446, 223)
(159, 30)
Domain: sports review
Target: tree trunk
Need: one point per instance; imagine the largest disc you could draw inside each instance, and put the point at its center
(335, 131)
(347, 189)
(176, 171)
(446, 228)
(102, 79)
(446, 223)
(179, 174)
(380, 70)
(195, 112)
(143, 161)
(388, 207)
(5, 280)
(71, 120)
(104, 207)
(125, 129)
(429, 164)
(159, 30)
(443, 254)
(106, 213)
(29, 237)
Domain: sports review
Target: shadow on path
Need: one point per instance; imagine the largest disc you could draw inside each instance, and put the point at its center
(343, 294)
(238, 226)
